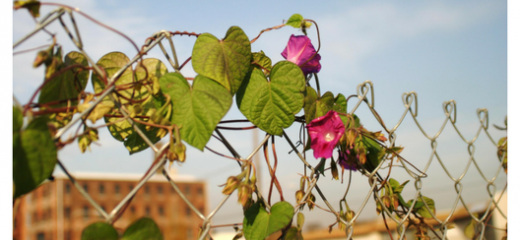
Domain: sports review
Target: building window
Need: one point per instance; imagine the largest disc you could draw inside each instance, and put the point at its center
(68, 235)
(67, 188)
(85, 212)
(40, 236)
(131, 187)
(85, 187)
(188, 211)
(104, 209)
(200, 191)
(187, 190)
(101, 188)
(49, 213)
(67, 213)
(159, 189)
(117, 189)
(147, 189)
(35, 217)
(132, 209)
(147, 211)
(161, 211)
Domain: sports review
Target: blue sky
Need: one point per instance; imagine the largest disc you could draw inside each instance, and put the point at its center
(442, 50)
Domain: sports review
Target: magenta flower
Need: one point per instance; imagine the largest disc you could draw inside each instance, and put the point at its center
(299, 49)
(325, 133)
(347, 160)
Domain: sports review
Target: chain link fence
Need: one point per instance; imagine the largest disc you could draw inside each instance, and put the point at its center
(364, 96)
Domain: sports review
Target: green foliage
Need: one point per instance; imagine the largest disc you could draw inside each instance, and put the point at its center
(197, 109)
(259, 224)
(99, 231)
(34, 154)
(271, 105)
(141, 88)
(32, 6)
(225, 61)
(143, 229)
(315, 106)
(261, 60)
(68, 84)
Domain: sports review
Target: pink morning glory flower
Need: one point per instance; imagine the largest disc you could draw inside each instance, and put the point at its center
(299, 49)
(325, 133)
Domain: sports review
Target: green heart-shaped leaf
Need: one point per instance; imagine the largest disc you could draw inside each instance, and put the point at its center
(197, 108)
(112, 63)
(144, 228)
(225, 61)
(316, 107)
(295, 21)
(99, 230)
(147, 73)
(68, 84)
(259, 224)
(260, 59)
(34, 156)
(271, 105)
(340, 103)
(155, 69)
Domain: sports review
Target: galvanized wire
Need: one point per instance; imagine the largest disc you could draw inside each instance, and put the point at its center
(365, 94)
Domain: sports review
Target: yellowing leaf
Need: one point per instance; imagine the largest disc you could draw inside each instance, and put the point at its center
(100, 110)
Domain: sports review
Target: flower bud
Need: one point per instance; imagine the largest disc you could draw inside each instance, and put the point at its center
(244, 194)
(395, 200)
(310, 201)
(386, 201)
(299, 196)
(231, 184)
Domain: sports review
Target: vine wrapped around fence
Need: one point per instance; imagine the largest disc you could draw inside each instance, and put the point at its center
(140, 101)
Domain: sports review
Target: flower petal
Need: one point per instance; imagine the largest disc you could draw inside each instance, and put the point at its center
(325, 133)
(299, 49)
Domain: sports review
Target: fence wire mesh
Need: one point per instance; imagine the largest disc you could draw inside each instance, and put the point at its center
(365, 95)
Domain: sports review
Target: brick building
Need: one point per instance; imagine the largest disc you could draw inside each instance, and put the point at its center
(57, 210)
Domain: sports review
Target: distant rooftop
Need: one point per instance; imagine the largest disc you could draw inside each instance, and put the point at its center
(58, 174)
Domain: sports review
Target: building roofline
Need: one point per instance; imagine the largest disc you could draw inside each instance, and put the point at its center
(125, 177)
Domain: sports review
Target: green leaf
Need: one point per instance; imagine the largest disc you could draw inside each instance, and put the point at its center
(99, 231)
(31, 5)
(271, 105)
(226, 61)
(316, 107)
(396, 187)
(112, 63)
(259, 58)
(295, 20)
(293, 234)
(143, 229)
(68, 84)
(155, 69)
(469, 230)
(259, 224)
(17, 119)
(134, 142)
(423, 211)
(34, 156)
(123, 131)
(340, 103)
(197, 108)
(374, 153)
(321, 166)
